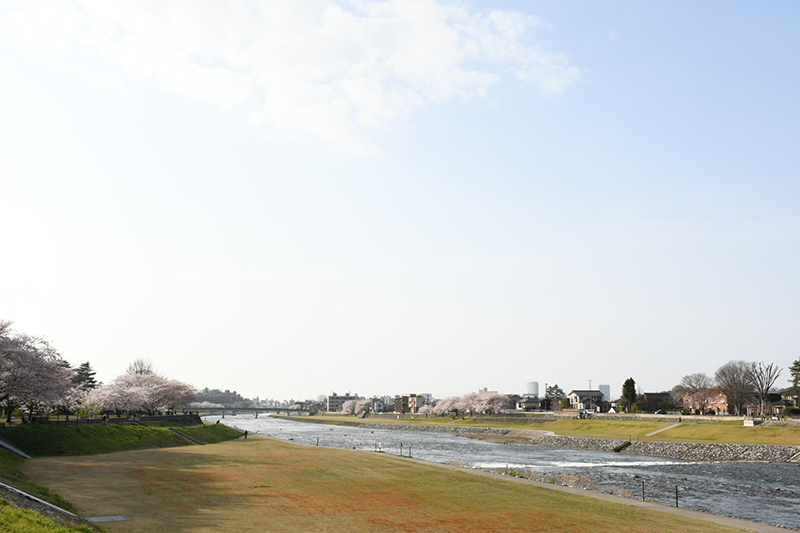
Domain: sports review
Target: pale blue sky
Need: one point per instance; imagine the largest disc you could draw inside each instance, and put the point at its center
(413, 197)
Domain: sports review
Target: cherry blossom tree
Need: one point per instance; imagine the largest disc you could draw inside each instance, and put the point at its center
(445, 406)
(427, 410)
(349, 407)
(472, 403)
(492, 402)
(363, 406)
(32, 373)
(148, 392)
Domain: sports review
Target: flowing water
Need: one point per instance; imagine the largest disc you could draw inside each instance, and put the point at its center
(761, 492)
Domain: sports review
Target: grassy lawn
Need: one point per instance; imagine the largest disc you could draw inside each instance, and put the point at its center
(735, 434)
(266, 485)
(50, 440)
(16, 520)
(601, 429)
(11, 475)
(212, 433)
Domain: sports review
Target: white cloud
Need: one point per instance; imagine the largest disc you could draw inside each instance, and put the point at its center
(324, 70)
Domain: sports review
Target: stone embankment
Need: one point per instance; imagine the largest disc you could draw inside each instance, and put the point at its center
(687, 451)
(707, 451)
(582, 443)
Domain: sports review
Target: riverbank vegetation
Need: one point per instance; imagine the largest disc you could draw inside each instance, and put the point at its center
(268, 485)
(777, 434)
(51, 440)
(721, 431)
(16, 520)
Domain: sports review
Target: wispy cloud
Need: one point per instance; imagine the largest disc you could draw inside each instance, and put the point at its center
(330, 71)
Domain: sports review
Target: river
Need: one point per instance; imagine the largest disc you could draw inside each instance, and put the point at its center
(761, 492)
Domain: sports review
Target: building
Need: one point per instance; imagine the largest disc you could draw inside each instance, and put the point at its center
(711, 400)
(534, 404)
(586, 399)
(653, 401)
(335, 402)
(514, 399)
(409, 404)
(532, 389)
(378, 406)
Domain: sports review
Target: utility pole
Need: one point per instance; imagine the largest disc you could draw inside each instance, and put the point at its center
(590, 384)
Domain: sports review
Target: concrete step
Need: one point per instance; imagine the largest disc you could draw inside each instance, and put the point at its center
(659, 430)
(187, 437)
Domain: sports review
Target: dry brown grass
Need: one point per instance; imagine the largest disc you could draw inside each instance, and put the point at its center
(266, 485)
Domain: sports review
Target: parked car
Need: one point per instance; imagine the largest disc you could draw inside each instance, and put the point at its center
(661, 412)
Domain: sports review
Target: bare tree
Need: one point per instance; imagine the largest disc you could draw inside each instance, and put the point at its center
(762, 377)
(141, 367)
(733, 379)
(698, 386)
(696, 382)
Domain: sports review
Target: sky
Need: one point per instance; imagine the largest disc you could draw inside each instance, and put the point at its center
(290, 199)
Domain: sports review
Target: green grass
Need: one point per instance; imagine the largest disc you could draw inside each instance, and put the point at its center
(16, 520)
(51, 440)
(12, 475)
(733, 434)
(722, 430)
(9, 462)
(212, 433)
(601, 429)
(262, 484)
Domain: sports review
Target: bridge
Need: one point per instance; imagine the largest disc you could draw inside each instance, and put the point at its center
(209, 411)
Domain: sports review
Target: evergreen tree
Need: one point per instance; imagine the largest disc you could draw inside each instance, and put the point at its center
(554, 393)
(629, 392)
(794, 370)
(84, 377)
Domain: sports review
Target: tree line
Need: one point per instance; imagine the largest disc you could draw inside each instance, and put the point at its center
(744, 383)
(740, 381)
(34, 377)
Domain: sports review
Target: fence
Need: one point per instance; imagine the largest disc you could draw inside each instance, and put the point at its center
(76, 421)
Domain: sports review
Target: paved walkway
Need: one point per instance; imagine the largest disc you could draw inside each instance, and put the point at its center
(745, 525)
